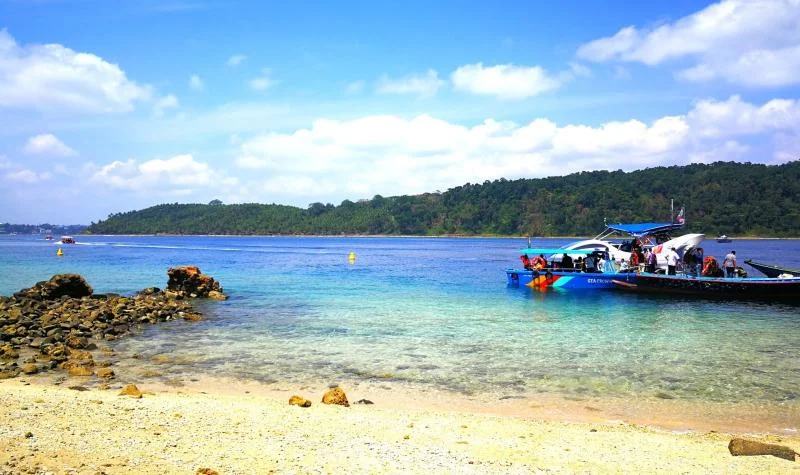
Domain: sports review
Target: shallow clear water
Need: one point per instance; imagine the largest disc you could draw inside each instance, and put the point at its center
(436, 313)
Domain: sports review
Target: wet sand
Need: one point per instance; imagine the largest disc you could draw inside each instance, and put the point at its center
(250, 428)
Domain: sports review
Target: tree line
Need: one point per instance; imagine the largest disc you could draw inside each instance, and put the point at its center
(737, 199)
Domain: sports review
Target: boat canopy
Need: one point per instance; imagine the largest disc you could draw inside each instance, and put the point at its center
(558, 251)
(640, 229)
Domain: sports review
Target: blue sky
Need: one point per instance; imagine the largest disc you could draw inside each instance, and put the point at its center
(114, 106)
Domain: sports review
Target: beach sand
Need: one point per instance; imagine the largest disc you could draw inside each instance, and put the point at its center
(53, 429)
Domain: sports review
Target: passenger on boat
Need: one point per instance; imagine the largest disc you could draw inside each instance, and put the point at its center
(526, 262)
(711, 267)
(730, 264)
(634, 260)
(580, 266)
(566, 263)
(589, 262)
(651, 260)
(601, 264)
(672, 261)
(698, 254)
(539, 262)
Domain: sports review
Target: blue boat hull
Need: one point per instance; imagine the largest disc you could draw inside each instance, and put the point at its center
(566, 280)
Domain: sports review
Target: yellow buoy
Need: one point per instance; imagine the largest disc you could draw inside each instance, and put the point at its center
(59, 252)
(352, 258)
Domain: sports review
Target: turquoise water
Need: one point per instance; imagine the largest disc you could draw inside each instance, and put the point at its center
(436, 313)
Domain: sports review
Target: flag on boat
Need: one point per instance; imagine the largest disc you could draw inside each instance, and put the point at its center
(681, 219)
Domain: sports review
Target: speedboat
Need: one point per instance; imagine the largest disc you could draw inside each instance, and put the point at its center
(617, 255)
(723, 239)
(67, 240)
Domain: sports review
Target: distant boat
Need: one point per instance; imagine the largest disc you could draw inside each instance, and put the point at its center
(49, 237)
(723, 239)
(67, 240)
(770, 270)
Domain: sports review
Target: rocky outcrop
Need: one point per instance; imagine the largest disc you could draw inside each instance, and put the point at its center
(188, 281)
(70, 285)
(335, 396)
(57, 324)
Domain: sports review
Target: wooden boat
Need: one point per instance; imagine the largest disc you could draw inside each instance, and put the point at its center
(753, 288)
(770, 270)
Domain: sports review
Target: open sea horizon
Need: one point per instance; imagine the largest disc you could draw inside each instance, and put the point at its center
(435, 315)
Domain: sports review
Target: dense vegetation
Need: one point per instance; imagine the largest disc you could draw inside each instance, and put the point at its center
(45, 228)
(731, 198)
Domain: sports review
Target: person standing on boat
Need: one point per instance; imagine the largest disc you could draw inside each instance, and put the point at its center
(566, 263)
(526, 262)
(672, 261)
(652, 260)
(698, 253)
(730, 264)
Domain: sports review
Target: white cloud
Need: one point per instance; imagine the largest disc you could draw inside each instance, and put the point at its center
(52, 77)
(750, 42)
(355, 87)
(392, 155)
(236, 59)
(506, 81)
(176, 174)
(27, 176)
(424, 85)
(264, 81)
(163, 104)
(735, 117)
(48, 144)
(196, 84)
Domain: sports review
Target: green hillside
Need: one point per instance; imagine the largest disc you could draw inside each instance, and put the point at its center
(738, 199)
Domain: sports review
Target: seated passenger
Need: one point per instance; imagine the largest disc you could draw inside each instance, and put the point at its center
(526, 262)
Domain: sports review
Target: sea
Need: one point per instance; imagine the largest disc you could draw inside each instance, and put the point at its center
(434, 318)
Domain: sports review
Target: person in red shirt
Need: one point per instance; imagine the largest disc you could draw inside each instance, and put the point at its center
(526, 262)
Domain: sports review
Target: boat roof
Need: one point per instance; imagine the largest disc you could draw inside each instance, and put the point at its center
(641, 229)
(557, 251)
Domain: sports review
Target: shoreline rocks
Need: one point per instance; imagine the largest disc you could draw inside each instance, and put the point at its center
(57, 323)
(188, 281)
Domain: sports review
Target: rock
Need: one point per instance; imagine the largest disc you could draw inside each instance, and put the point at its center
(132, 391)
(188, 281)
(364, 401)
(7, 352)
(206, 471)
(80, 371)
(752, 447)
(104, 373)
(216, 295)
(335, 396)
(60, 285)
(30, 368)
(74, 341)
(299, 401)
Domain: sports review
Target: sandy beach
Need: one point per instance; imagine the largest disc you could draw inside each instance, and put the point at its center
(55, 429)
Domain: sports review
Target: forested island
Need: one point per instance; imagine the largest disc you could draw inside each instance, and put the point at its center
(741, 199)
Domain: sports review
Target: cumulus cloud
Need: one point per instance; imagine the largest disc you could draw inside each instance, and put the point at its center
(236, 59)
(196, 84)
(48, 144)
(507, 81)
(393, 155)
(423, 85)
(264, 81)
(749, 42)
(52, 77)
(163, 104)
(179, 173)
